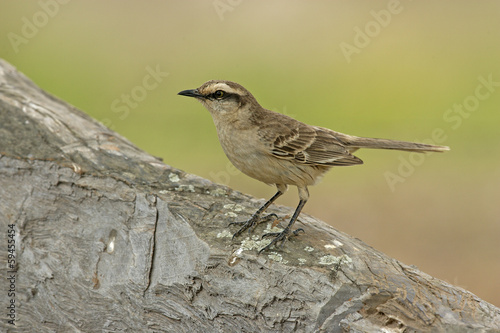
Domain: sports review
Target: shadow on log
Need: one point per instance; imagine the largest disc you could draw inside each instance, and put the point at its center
(108, 238)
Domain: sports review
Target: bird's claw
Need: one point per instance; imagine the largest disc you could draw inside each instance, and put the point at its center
(296, 232)
(252, 223)
(279, 237)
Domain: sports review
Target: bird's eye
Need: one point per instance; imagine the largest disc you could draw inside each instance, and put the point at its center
(219, 94)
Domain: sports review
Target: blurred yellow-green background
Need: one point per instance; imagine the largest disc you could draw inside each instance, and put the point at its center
(408, 70)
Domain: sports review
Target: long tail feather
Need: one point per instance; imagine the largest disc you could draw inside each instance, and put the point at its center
(373, 143)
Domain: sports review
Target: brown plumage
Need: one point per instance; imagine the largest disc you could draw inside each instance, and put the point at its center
(277, 149)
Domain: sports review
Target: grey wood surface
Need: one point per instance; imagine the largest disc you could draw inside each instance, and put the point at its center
(111, 239)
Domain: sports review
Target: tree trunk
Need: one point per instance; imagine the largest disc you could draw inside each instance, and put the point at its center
(108, 238)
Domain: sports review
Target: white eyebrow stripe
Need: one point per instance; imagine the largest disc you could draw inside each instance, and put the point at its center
(225, 87)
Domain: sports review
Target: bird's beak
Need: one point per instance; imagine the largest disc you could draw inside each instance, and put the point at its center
(191, 93)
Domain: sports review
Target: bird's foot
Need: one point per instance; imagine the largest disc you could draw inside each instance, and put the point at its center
(279, 237)
(252, 223)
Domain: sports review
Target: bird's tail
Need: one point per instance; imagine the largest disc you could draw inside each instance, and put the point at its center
(372, 143)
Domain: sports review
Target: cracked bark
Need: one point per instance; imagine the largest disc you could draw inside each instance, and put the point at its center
(111, 239)
(150, 273)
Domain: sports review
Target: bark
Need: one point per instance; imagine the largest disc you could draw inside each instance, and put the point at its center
(109, 238)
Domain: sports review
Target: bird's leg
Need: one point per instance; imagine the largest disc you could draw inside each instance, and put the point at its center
(282, 236)
(256, 219)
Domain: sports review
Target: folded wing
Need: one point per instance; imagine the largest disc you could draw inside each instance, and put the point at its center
(306, 144)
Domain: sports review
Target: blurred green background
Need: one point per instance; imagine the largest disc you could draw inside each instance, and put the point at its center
(370, 68)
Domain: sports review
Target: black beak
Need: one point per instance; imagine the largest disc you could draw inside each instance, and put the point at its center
(191, 93)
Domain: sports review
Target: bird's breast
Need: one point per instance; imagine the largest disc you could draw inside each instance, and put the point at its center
(251, 156)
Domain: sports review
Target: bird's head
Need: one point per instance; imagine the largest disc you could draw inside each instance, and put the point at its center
(222, 98)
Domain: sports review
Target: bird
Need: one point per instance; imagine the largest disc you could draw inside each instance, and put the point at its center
(279, 150)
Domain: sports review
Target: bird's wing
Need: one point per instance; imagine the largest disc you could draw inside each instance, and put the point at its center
(306, 144)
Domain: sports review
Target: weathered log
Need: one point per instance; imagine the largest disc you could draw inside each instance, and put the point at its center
(108, 238)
